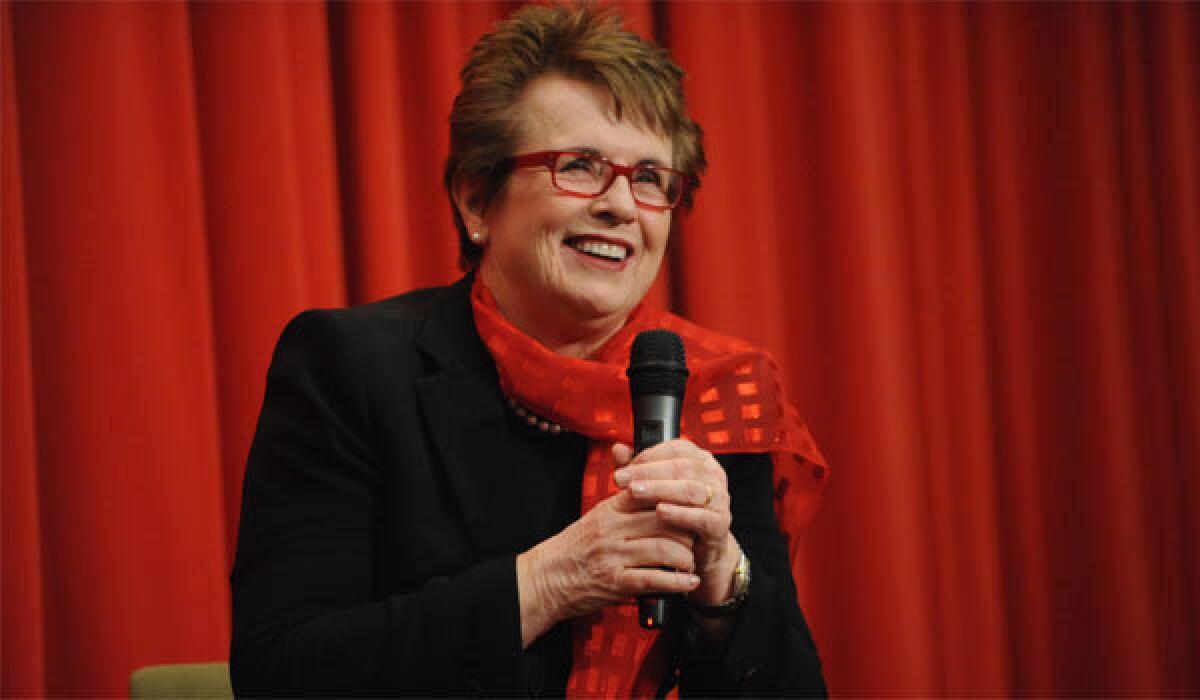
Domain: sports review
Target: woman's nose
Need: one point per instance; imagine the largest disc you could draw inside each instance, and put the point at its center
(618, 199)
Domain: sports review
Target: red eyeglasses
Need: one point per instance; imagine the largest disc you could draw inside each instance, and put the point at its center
(582, 174)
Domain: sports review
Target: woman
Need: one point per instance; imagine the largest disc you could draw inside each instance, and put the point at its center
(440, 498)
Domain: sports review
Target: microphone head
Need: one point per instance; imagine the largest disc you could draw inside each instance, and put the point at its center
(657, 364)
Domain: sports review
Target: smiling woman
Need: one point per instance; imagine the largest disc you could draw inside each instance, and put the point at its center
(547, 257)
(441, 498)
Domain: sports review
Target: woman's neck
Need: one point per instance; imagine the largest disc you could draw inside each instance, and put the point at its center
(551, 327)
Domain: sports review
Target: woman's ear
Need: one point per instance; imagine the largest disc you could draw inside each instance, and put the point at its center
(468, 199)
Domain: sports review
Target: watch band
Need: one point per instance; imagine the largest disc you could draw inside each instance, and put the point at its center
(741, 591)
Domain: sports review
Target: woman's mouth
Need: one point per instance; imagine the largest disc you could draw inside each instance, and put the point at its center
(607, 252)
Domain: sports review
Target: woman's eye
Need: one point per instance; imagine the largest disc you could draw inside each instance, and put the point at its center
(649, 177)
(578, 165)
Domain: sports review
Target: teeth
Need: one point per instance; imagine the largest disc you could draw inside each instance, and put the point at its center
(610, 251)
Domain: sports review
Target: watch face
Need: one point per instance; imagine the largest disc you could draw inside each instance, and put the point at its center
(741, 591)
(741, 586)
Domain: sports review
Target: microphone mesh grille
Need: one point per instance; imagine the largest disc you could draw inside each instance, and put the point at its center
(657, 346)
(657, 364)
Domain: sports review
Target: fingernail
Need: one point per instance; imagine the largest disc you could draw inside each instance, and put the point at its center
(638, 488)
(694, 580)
(621, 476)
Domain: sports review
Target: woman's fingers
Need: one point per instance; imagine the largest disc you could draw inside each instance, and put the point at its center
(665, 531)
(642, 581)
(684, 484)
(710, 525)
(684, 492)
(672, 449)
(658, 552)
(688, 491)
(638, 520)
(622, 453)
(620, 548)
(674, 460)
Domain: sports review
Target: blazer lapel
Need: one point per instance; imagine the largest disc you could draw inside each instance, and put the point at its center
(466, 417)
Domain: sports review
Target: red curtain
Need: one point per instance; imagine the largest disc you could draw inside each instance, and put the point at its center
(971, 234)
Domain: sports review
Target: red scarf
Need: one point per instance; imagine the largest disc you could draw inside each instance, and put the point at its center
(733, 403)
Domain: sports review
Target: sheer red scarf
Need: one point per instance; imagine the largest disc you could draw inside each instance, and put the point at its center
(733, 403)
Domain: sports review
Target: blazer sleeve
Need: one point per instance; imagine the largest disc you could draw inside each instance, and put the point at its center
(771, 651)
(306, 617)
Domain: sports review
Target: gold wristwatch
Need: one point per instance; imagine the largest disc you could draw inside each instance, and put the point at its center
(741, 590)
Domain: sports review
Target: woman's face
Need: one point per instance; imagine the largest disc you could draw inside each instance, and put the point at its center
(536, 260)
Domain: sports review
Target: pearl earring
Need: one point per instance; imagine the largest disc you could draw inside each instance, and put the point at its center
(477, 236)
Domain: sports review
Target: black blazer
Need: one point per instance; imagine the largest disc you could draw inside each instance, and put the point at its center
(374, 552)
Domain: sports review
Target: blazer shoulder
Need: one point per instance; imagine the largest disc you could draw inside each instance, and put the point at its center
(391, 322)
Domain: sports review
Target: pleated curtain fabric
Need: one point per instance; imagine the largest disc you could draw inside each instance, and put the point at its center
(970, 233)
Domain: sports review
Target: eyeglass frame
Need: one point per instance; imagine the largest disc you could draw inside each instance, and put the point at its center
(548, 158)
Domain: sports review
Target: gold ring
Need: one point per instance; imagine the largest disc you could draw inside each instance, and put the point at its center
(710, 495)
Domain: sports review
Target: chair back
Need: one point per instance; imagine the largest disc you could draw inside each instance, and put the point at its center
(207, 680)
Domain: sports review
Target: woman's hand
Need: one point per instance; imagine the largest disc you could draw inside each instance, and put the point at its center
(619, 549)
(687, 489)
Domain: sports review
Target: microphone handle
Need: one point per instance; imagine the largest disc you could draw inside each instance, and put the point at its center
(655, 420)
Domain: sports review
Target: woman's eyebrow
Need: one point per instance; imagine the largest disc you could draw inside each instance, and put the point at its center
(591, 151)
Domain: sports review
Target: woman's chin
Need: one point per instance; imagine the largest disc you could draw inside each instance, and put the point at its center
(602, 291)
(601, 303)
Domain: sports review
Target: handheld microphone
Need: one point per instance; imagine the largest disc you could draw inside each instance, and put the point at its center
(657, 378)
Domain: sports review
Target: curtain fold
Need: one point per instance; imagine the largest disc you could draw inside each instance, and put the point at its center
(268, 154)
(129, 484)
(944, 224)
(23, 664)
(969, 232)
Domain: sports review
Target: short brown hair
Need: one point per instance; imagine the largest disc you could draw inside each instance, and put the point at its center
(585, 41)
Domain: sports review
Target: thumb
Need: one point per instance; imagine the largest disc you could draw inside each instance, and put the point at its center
(622, 453)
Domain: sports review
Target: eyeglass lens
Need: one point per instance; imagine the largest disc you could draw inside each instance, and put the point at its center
(587, 175)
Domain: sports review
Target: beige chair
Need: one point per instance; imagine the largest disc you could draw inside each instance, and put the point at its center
(209, 680)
